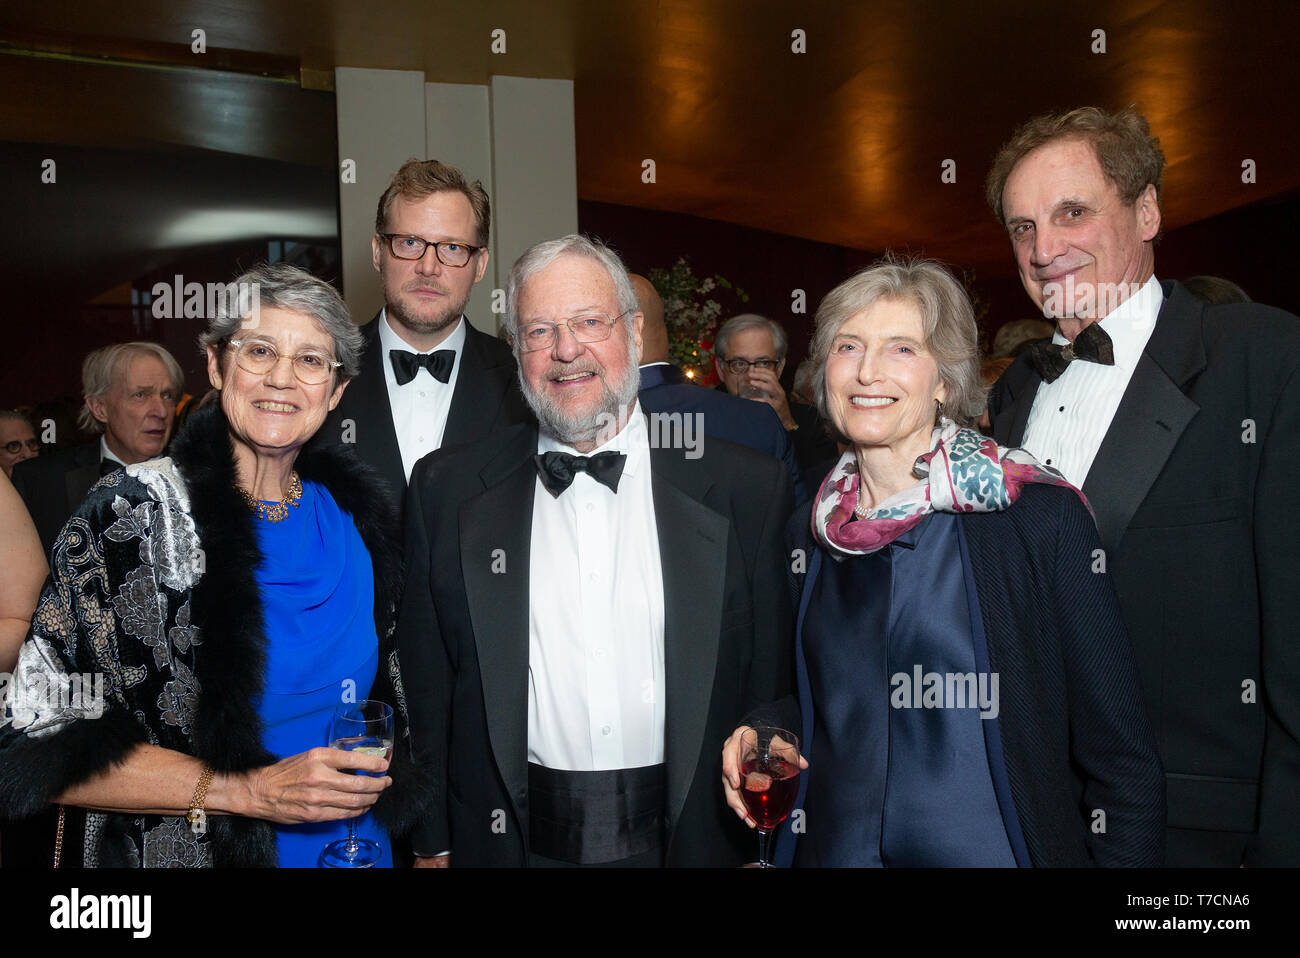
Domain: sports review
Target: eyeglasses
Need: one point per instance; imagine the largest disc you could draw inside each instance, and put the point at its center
(311, 367)
(405, 246)
(741, 366)
(15, 446)
(587, 328)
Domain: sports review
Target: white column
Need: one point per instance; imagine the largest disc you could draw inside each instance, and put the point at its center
(534, 165)
(381, 117)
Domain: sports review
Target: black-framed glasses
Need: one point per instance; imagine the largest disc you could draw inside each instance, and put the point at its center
(741, 366)
(407, 246)
(259, 357)
(586, 328)
(15, 446)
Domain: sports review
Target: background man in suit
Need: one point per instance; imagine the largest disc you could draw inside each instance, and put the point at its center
(665, 389)
(428, 378)
(1181, 423)
(749, 354)
(18, 441)
(585, 613)
(130, 392)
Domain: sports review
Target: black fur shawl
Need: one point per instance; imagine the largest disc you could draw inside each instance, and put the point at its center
(228, 664)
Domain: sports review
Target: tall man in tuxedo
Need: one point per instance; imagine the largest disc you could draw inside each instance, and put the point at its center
(1181, 423)
(130, 390)
(428, 378)
(585, 615)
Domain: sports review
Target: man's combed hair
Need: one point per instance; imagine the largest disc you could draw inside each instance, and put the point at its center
(1129, 156)
(543, 254)
(420, 178)
(103, 365)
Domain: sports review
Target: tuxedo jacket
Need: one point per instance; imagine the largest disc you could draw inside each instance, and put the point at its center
(664, 388)
(487, 398)
(464, 622)
(54, 485)
(1071, 735)
(1194, 490)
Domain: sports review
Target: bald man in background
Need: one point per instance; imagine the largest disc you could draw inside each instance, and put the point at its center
(665, 389)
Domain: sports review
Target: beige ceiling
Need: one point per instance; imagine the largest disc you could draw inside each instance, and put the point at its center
(843, 143)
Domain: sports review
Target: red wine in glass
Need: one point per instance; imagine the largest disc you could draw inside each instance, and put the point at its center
(768, 789)
(769, 779)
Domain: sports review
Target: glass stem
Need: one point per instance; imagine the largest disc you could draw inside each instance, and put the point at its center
(763, 835)
(353, 847)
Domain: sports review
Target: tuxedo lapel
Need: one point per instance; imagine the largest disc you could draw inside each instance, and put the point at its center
(1022, 387)
(477, 399)
(501, 518)
(1149, 421)
(77, 481)
(693, 556)
(376, 438)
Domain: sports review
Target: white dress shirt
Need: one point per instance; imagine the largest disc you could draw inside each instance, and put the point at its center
(596, 617)
(419, 407)
(1070, 417)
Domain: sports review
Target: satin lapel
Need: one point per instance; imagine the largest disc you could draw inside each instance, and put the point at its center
(1148, 423)
(77, 482)
(476, 401)
(376, 438)
(496, 590)
(1009, 430)
(693, 554)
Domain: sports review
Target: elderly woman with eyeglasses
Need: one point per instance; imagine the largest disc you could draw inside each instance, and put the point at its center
(967, 694)
(209, 611)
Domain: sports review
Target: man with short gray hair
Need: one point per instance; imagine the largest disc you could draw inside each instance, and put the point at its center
(749, 355)
(586, 609)
(131, 391)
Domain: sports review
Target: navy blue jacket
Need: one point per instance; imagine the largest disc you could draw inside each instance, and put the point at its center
(1072, 735)
(664, 388)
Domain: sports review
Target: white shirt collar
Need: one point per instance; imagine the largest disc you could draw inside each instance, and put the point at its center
(1129, 324)
(388, 338)
(633, 440)
(106, 453)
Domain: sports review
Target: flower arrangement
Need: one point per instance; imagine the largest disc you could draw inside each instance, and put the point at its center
(692, 315)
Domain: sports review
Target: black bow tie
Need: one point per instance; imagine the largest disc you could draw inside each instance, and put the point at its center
(1093, 345)
(557, 469)
(406, 365)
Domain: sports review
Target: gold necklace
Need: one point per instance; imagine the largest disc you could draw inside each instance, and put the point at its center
(280, 510)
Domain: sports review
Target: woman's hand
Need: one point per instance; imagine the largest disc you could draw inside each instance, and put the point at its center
(316, 786)
(731, 774)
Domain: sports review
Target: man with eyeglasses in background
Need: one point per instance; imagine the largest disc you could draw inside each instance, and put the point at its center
(428, 378)
(18, 440)
(749, 355)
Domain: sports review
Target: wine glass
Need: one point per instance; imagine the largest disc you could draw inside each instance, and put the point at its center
(769, 779)
(366, 727)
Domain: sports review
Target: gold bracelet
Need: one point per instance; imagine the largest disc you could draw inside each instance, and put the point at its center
(196, 816)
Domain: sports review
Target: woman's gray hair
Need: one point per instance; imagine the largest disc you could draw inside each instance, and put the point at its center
(282, 286)
(103, 365)
(543, 254)
(947, 322)
(744, 321)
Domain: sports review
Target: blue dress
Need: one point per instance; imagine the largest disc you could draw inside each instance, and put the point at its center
(317, 589)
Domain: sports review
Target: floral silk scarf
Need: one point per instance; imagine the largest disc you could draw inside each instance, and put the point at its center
(963, 472)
